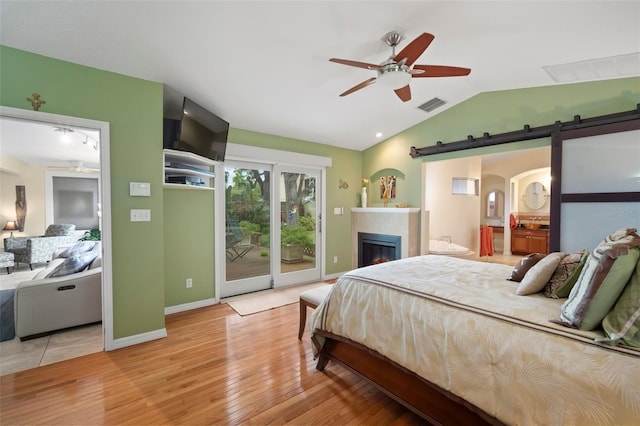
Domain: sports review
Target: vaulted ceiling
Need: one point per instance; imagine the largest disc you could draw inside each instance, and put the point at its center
(264, 65)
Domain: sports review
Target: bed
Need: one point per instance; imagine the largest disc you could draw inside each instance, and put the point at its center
(449, 338)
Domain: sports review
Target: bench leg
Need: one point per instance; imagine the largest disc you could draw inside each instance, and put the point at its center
(303, 319)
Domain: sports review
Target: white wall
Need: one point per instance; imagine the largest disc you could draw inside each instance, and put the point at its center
(453, 215)
(14, 172)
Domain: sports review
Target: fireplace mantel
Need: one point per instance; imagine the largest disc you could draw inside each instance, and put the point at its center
(404, 222)
(400, 210)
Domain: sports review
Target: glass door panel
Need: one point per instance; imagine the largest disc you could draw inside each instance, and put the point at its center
(299, 225)
(247, 228)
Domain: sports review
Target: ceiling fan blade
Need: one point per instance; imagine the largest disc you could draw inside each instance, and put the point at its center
(414, 49)
(364, 65)
(404, 93)
(439, 71)
(359, 86)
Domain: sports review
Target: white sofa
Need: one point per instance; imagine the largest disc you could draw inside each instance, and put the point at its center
(47, 304)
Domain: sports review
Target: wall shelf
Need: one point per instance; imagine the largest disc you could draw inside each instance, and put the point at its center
(187, 165)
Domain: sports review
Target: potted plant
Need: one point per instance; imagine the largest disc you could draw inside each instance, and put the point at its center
(292, 241)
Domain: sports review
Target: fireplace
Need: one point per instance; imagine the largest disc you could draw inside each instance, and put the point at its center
(378, 248)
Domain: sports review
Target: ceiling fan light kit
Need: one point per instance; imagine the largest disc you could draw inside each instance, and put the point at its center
(396, 72)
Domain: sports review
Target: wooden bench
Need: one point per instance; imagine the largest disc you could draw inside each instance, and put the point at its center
(311, 298)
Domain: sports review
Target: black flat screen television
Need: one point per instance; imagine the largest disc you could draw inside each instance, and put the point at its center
(199, 131)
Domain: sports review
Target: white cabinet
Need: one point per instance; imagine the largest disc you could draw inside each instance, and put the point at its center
(187, 170)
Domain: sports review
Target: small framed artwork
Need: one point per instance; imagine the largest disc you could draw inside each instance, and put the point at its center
(387, 187)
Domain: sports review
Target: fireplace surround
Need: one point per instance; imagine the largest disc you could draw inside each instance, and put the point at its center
(403, 223)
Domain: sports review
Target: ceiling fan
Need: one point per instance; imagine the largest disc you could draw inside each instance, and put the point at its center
(76, 166)
(396, 72)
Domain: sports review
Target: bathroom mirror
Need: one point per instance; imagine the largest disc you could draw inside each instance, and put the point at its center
(495, 204)
(535, 195)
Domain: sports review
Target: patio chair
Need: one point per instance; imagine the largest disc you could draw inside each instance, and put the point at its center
(236, 246)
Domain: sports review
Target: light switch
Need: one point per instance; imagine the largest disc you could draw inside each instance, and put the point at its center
(338, 210)
(140, 215)
(139, 189)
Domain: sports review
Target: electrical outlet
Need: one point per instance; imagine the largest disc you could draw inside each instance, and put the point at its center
(335, 259)
(189, 283)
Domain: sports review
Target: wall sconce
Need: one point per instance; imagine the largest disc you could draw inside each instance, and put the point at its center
(10, 226)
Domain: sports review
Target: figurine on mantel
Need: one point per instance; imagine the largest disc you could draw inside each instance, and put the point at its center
(363, 193)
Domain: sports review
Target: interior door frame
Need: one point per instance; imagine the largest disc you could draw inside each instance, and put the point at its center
(105, 190)
(254, 154)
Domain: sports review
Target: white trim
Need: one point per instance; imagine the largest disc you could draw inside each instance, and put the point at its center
(139, 338)
(333, 276)
(189, 306)
(105, 180)
(254, 154)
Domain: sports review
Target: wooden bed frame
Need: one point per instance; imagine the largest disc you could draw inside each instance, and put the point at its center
(434, 404)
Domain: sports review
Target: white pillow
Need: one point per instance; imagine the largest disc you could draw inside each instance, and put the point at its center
(539, 275)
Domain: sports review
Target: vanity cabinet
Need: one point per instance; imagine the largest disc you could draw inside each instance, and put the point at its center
(525, 241)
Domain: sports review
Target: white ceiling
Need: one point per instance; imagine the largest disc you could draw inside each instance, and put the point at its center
(264, 65)
(41, 144)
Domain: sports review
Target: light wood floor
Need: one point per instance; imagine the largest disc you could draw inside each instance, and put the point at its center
(215, 367)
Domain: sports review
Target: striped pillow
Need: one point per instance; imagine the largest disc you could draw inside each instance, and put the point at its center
(602, 280)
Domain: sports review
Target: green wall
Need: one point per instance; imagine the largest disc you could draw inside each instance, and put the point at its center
(133, 107)
(189, 245)
(495, 112)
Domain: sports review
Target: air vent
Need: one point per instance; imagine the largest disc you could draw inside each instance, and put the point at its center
(432, 104)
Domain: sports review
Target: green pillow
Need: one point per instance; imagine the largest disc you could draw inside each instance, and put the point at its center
(622, 324)
(600, 284)
(564, 290)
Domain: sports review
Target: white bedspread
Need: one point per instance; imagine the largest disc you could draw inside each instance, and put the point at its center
(459, 324)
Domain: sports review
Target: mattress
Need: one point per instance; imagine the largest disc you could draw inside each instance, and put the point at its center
(459, 324)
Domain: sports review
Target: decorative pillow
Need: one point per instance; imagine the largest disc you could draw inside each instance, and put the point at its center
(622, 324)
(59, 230)
(44, 273)
(602, 280)
(97, 263)
(73, 264)
(78, 248)
(564, 270)
(564, 290)
(524, 265)
(537, 277)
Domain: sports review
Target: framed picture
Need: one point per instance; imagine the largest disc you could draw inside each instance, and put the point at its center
(387, 187)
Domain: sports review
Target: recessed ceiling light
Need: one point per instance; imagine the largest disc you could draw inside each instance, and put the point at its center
(378, 135)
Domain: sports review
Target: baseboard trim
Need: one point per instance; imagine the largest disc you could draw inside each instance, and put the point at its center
(189, 306)
(138, 338)
(333, 276)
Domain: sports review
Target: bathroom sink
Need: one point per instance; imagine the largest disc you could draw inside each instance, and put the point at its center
(532, 225)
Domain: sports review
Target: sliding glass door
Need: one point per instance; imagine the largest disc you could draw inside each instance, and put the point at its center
(247, 228)
(299, 225)
(272, 226)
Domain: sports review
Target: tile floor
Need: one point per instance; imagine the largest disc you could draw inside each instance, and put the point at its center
(17, 356)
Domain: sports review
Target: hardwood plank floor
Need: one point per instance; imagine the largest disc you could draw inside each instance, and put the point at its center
(214, 367)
